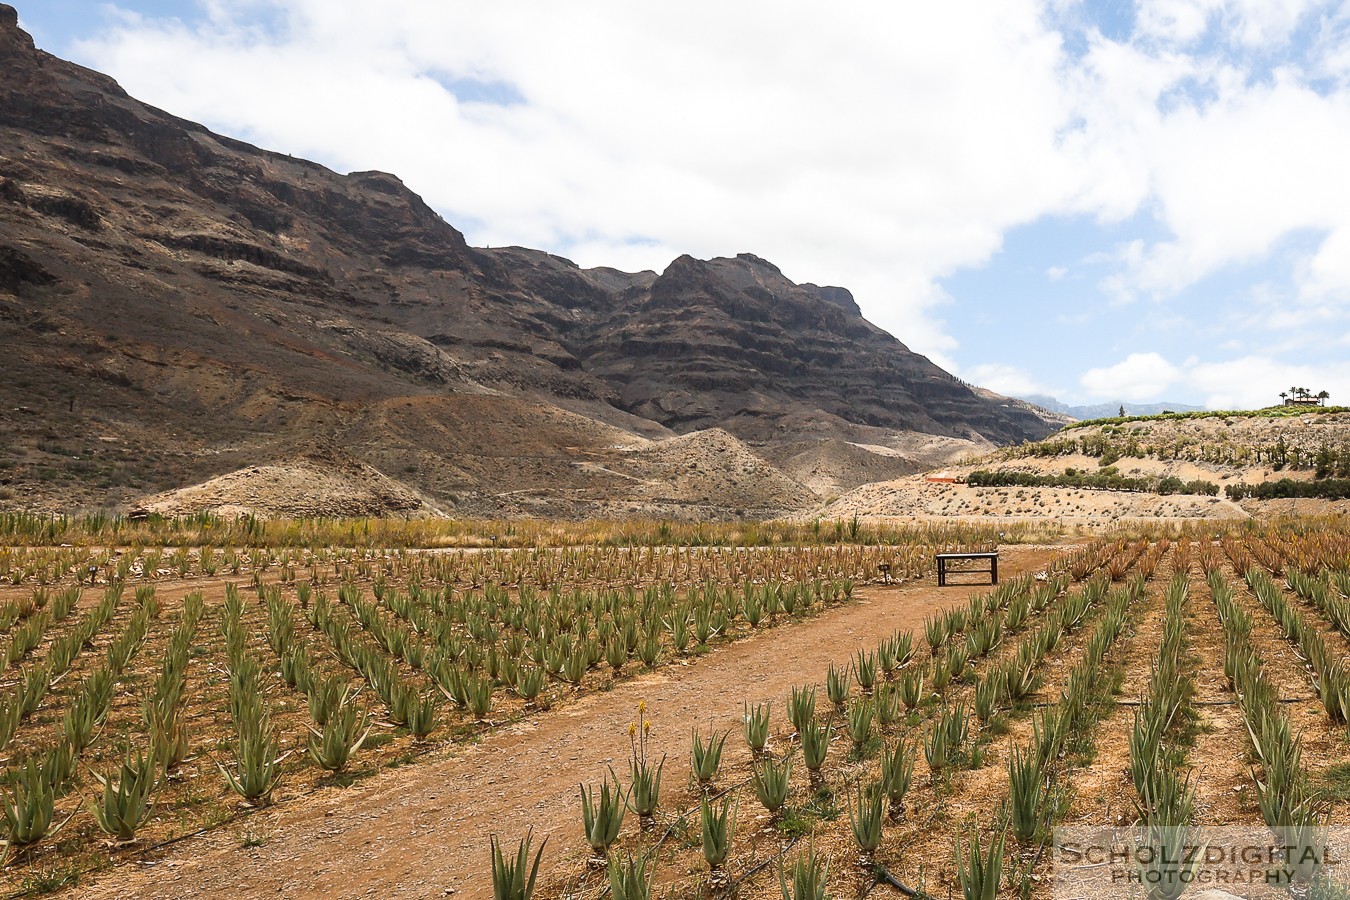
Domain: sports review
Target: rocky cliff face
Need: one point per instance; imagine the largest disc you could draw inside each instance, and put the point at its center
(175, 304)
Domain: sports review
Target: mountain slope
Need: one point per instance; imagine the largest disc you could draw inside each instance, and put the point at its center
(176, 305)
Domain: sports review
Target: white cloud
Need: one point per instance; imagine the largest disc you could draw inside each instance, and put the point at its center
(1248, 382)
(1252, 382)
(1326, 274)
(1137, 378)
(1250, 22)
(1056, 273)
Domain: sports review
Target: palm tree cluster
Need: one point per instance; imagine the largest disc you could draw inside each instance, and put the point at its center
(1301, 396)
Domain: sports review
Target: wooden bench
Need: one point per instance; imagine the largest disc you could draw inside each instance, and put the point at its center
(943, 559)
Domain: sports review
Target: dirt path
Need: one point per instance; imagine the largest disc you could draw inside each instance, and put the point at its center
(422, 831)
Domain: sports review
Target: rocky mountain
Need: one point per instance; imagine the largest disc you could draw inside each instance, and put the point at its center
(176, 306)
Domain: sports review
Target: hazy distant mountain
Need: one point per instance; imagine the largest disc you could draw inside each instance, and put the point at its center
(1102, 410)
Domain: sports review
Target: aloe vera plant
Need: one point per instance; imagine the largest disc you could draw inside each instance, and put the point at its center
(755, 727)
(887, 704)
(513, 879)
(958, 658)
(718, 827)
(575, 665)
(342, 735)
(324, 697)
(753, 611)
(1020, 678)
(11, 713)
(807, 880)
(1027, 795)
(257, 763)
(1163, 862)
(837, 684)
(420, 713)
(706, 758)
(866, 812)
(941, 675)
(125, 802)
(911, 689)
(886, 659)
(978, 872)
(530, 683)
(29, 805)
(989, 691)
(677, 623)
(168, 734)
(865, 670)
(649, 651)
(88, 710)
(944, 742)
(644, 792)
(860, 716)
(629, 878)
(479, 692)
(616, 653)
(897, 772)
(602, 814)
(771, 783)
(935, 633)
(801, 707)
(815, 746)
(58, 767)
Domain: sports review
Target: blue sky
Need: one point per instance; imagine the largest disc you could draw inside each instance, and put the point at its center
(1100, 201)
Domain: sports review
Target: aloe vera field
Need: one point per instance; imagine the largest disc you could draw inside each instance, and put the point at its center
(213, 708)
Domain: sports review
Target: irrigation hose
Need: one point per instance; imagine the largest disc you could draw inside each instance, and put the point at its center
(885, 877)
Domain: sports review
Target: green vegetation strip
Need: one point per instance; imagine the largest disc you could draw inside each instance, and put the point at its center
(1108, 479)
(1270, 412)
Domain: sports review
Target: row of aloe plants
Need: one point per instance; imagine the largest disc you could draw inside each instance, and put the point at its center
(1159, 740)
(126, 799)
(46, 611)
(37, 781)
(35, 681)
(1015, 678)
(1038, 771)
(1288, 804)
(541, 568)
(1317, 590)
(1330, 677)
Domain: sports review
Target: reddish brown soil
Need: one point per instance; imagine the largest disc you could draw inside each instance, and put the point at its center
(422, 830)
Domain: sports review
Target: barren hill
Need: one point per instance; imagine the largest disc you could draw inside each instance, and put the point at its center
(1160, 464)
(176, 305)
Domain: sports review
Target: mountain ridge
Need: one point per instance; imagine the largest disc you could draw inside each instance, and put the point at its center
(1088, 411)
(177, 305)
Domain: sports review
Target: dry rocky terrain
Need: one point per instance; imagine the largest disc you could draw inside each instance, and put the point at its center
(1221, 450)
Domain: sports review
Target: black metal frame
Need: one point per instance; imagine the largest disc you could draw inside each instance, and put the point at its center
(944, 558)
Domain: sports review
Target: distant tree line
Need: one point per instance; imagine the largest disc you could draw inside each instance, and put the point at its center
(1326, 489)
(1108, 479)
